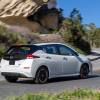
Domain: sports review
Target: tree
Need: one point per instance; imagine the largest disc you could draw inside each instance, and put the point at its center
(76, 16)
(73, 31)
(92, 34)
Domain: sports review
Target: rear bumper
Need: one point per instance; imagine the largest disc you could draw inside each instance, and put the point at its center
(21, 68)
(16, 72)
(13, 74)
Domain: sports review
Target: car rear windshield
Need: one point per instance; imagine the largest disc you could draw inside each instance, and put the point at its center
(23, 49)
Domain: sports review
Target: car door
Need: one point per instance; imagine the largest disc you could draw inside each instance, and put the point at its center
(69, 60)
(54, 60)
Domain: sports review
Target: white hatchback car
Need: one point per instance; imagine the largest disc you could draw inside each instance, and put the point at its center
(42, 62)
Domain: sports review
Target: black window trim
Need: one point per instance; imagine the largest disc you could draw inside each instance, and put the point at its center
(44, 47)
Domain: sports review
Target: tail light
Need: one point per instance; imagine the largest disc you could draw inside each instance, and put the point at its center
(31, 56)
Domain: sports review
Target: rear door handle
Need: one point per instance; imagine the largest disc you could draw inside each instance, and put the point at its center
(65, 58)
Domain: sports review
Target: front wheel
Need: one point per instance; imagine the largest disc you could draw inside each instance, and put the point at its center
(11, 79)
(84, 72)
(41, 76)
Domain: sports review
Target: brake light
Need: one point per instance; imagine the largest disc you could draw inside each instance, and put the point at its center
(31, 56)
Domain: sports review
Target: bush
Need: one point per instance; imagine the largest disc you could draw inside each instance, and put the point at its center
(79, 94)
(73, 32)
(81, 45)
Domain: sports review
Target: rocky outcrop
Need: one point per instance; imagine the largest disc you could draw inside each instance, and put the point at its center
(19, 7)
(51, 38)
(30, 15)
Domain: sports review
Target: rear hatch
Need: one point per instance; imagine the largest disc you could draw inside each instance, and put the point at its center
(15, 55)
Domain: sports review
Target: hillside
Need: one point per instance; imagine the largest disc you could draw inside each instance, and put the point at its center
(24, 21)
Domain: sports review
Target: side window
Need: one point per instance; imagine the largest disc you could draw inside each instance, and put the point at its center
(51, 49)
(64, 50)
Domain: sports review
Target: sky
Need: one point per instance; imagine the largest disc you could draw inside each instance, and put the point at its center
(89, 9)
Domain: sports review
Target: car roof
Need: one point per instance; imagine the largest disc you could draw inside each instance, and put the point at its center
(44, 44)
(40, 44)
(37, 44)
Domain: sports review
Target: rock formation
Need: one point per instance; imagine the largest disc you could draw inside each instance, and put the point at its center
(19, 7)
(30, 14)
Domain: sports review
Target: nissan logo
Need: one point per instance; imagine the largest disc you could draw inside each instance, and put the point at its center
(11, 57)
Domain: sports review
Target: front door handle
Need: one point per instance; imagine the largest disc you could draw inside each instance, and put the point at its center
(65, 58)
(48, 57)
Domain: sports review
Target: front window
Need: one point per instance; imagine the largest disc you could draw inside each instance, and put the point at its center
(50, 49)
(64, 50)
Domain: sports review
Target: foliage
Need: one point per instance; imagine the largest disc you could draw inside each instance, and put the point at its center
(78, 94)
(97, 38)
(81, 36)
(93, 34)
(73, 32)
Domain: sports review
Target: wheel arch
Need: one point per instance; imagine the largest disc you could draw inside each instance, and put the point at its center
(86, 65)
(43, 66)
(84, 73)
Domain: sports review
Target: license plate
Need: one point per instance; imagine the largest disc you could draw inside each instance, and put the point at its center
(11, 62)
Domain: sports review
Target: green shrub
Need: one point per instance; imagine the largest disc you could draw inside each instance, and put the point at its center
(79, 94)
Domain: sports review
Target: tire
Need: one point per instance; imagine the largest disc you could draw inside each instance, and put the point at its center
(84, 72)
(11, 79)
(41, 76)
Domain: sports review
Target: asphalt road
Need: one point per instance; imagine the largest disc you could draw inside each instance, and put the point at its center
(53, 86)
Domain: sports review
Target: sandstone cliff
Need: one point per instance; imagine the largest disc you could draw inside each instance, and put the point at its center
(19, 7)
(33, 15)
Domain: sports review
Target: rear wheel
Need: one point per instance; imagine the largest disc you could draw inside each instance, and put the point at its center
(41, 75)
(84, 72)
(11, 79)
